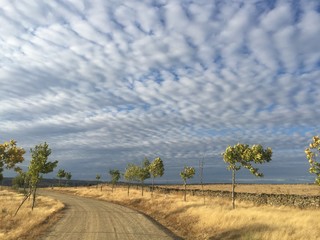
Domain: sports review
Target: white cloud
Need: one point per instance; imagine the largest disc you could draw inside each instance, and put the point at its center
(111, 82)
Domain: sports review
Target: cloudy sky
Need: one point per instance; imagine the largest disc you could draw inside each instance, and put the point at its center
(106, 83)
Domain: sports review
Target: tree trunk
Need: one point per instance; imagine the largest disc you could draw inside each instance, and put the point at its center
(185, 191)
(34, 197)
(112, 187)
(24, 186)
(233, 187)
(25, 198)
(128, 188)
(142, 184)
(152, 186)
(204, 197)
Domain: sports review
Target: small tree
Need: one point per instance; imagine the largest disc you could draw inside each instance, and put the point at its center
(156, 169)
(131, 174)
(68, 177)
(10, 155)
(312, 152)
(39, 165)
(22, 179)
(143, 173)
(18, 181)
(61, 174)
(186, 173)
(115, 177)
(242, 155)
(98, 177)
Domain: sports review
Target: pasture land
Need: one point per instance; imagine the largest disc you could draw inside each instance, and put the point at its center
(215, 218)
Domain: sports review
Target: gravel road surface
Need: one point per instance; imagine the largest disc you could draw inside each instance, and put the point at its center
(91, 219)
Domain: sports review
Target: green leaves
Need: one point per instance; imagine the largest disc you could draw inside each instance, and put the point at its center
(115, 175)
(130, 173)
(61, 173)
(242, 155)
(312, 152)
(156, 168)
(39, 163)
(10, 155)
(68, 175)
(187, 172)
(138, 173)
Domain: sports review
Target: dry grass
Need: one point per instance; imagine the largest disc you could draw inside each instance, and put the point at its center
(22, 226)
(215, 219)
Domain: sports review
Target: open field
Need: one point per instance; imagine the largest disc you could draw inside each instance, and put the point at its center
(26, 224)
(215, 219)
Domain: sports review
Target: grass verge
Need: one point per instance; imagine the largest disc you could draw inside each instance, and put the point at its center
(27, 224)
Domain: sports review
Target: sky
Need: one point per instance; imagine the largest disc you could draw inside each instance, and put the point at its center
(107, 83)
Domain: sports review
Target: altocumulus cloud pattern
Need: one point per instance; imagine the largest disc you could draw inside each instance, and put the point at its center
(110, 82)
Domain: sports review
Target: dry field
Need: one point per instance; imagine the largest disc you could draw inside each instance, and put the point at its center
(215, 219)
(26, 224)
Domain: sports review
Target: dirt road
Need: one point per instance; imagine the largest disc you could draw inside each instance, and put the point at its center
(91, 219)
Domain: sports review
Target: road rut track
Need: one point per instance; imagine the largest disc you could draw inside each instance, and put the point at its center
(92, 219)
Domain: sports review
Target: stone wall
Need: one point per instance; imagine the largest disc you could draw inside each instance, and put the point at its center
(300, 201)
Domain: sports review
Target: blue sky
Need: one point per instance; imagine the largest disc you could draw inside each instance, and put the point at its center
(106, 83)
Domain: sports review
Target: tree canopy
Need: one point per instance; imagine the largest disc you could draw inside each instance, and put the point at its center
(242, 155)
(186, 173)
(10, 155)
(312, 152)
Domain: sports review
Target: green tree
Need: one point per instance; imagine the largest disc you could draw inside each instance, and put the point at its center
(143, 173)
(131, 174)
(39, 165)
(186, 173)
(242, 155)
(68, 177)
(61, 174)
(115, 176)
(98, 177)
(156, 169)
(21, 180)
(10, 155)
(18, 181)
(312, 152)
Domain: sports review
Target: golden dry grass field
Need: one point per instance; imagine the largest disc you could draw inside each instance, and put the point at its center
(26, 224)
(215, 219)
